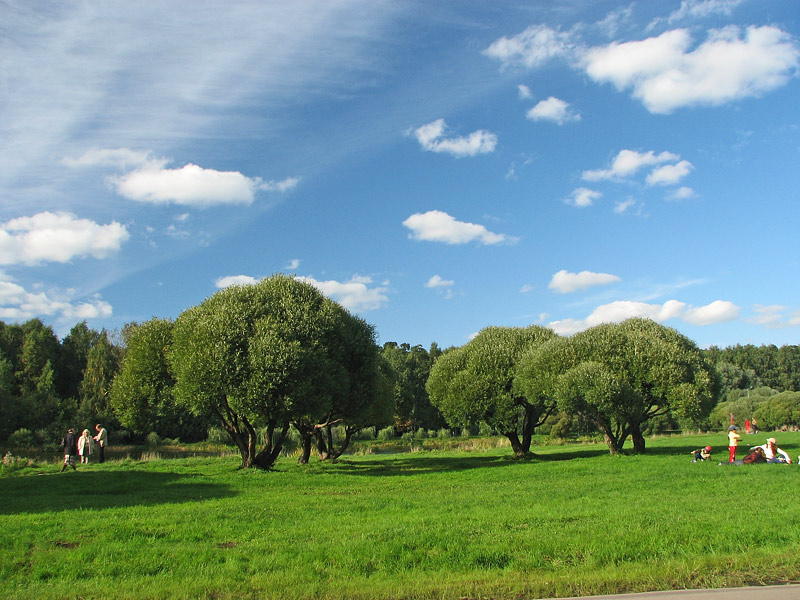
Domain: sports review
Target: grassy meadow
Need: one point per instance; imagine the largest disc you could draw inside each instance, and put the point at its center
(417, 525)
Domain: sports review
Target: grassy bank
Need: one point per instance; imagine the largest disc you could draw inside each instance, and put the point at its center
(424, 524)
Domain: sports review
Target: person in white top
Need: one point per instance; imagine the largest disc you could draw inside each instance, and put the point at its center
(773, 453)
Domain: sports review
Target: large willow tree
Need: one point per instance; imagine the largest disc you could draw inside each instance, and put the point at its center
(618, 376)
(267, 355)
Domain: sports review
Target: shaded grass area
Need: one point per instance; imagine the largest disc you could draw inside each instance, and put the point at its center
(569, 521)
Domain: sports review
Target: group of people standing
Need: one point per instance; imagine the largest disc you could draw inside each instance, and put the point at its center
(83, 447)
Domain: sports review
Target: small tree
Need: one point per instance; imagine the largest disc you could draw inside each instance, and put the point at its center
(475, 383)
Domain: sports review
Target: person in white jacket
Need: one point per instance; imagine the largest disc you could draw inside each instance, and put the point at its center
(85, 446)
(773, 453)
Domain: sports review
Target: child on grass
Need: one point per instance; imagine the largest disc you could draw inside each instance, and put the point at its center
(702, 454)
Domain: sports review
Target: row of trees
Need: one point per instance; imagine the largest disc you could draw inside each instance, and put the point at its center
(259, 360)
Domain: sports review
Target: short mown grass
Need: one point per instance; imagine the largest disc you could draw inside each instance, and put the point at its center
(429, 525)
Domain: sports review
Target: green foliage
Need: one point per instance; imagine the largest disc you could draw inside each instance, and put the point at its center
(272, 354)
(619, 376)
(410, 368)
(22, 438)
(476, 383)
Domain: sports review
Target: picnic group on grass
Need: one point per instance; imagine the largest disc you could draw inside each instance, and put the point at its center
(84, 446)
(765, 453)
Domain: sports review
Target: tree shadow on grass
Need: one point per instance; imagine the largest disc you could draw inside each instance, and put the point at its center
(97, 490)
(416, 465)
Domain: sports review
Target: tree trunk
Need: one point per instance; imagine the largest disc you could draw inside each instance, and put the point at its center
(306, 438)
(324, 448)
(518, 446)
(637, 438)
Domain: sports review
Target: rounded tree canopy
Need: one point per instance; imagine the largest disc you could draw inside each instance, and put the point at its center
(269, 352)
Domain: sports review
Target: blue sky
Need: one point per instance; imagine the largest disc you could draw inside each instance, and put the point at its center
(436, 167)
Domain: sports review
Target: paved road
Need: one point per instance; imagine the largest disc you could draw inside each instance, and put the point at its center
(769, 592)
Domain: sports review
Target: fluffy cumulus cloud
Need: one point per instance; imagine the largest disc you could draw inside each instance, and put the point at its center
(231, 280)
(666, 74)
(19, 304)
(670, 174)
(565, 282)
(432, 138)
(583, 197)
(553, 109)
(718, 311)
(355, 294)
(150, 180)
(57, 237)
(437, 281)
(438, 226)
(626, 163)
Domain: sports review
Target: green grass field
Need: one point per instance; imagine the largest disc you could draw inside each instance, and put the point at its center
(444, 524)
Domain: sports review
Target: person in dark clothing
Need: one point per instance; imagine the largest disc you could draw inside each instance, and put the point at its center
(70, 444)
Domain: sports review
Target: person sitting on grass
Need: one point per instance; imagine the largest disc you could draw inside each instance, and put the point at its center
(702, 454)
(755, 456)
(774, 454)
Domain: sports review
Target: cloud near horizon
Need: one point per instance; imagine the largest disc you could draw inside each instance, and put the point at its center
(718, 311)
(438, 226)
(18, 304)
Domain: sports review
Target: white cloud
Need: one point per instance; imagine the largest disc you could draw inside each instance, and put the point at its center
(57, 237)
(293, 264)
(355, 295)
(190, 185)
(431, 138)
(702, 8)
(627, 163)
(527, 288)
(18, 304)
(716, 312)
(553, 109)
(122, 158)
(436, 281)
(524, 92)
(438, 226)
(682, 193)
(775, 316)
(622, 206)
(531, 48)
(615, 312)
(666, 75)
(583, 197)
(669, 174)
(231, 280)
(565, 282)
